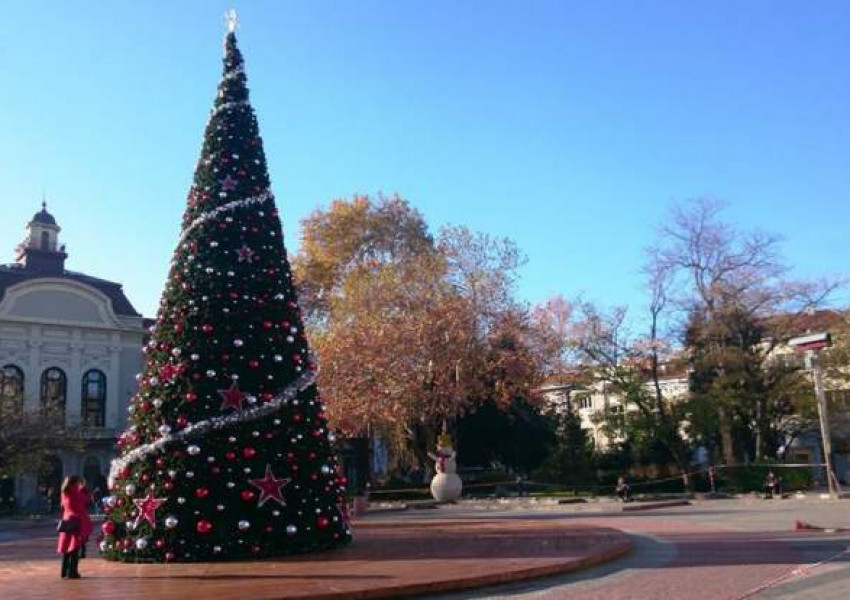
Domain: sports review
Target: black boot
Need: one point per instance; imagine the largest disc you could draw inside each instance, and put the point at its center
(83, 550)
(73, 567)
(66, 563)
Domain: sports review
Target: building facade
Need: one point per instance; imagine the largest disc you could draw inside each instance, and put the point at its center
(71, 341)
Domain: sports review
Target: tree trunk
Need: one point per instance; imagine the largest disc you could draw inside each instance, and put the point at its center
(423, 438)
(727, 447)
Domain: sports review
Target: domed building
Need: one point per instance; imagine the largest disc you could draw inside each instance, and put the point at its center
(67, 340)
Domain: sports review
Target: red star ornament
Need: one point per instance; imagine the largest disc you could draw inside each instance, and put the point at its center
(228, 183)
(245, 254)
(232, 397)
(269, 487)
(147, 509)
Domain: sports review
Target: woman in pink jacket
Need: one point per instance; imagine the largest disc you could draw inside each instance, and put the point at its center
(76, 524)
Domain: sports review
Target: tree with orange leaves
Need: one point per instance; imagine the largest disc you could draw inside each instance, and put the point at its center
(410, 331)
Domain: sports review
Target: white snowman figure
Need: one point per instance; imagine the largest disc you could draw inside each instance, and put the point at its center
(446, 485)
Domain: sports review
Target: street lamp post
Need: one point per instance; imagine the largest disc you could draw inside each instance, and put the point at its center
(811, 345)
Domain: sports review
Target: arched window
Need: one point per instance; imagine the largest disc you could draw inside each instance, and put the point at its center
(94, 398)
(54, 388)
(45, 240)
(11, 390)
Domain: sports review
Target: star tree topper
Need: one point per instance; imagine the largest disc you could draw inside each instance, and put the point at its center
(232, 20)
(147, 509)
(269, 487)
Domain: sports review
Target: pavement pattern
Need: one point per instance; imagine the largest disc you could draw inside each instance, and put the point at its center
(719, 549)
(389, 559)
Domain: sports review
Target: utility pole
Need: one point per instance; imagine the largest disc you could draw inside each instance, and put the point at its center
(812, 344)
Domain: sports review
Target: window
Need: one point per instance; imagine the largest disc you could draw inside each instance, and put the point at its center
(94, 398)
(54, 387)
(94, 478)
(585, 402)
(45, 240)
(12, 389)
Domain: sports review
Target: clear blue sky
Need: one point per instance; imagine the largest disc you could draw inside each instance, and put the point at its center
(569, 126)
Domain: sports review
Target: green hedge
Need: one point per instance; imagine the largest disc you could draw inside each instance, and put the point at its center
(751, 478)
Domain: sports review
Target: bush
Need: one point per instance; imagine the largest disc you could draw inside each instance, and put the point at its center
(751, 478)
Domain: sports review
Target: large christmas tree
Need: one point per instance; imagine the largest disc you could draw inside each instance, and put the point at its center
(228, 453)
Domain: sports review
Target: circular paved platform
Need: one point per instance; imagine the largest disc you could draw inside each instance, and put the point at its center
(388, 560)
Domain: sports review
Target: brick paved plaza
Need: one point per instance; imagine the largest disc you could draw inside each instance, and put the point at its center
(746, 548)
(389, 559)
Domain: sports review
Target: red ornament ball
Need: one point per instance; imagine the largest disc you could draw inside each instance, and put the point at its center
(249, 452)
(248, 495)
(169, 557)
(191, 396)
(202, 492)
(108, 528)
(322, 522)
(207, 328)
(203, 526)
(230, 455)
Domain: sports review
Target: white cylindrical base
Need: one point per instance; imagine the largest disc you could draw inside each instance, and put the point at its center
(446, 487)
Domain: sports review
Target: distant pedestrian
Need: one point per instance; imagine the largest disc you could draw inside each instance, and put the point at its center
(50, 499)
(770, 485)
(75, 525)
(624, 492)
(520, 486)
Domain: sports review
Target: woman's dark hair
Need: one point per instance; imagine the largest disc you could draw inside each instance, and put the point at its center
(71, 481)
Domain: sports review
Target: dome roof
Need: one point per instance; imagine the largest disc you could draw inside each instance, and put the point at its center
(43, 216)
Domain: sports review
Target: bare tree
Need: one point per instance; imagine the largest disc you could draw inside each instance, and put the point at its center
(735, 286)
(27, 436)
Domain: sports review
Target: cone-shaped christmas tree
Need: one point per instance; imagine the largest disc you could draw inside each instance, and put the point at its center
(228, 453)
